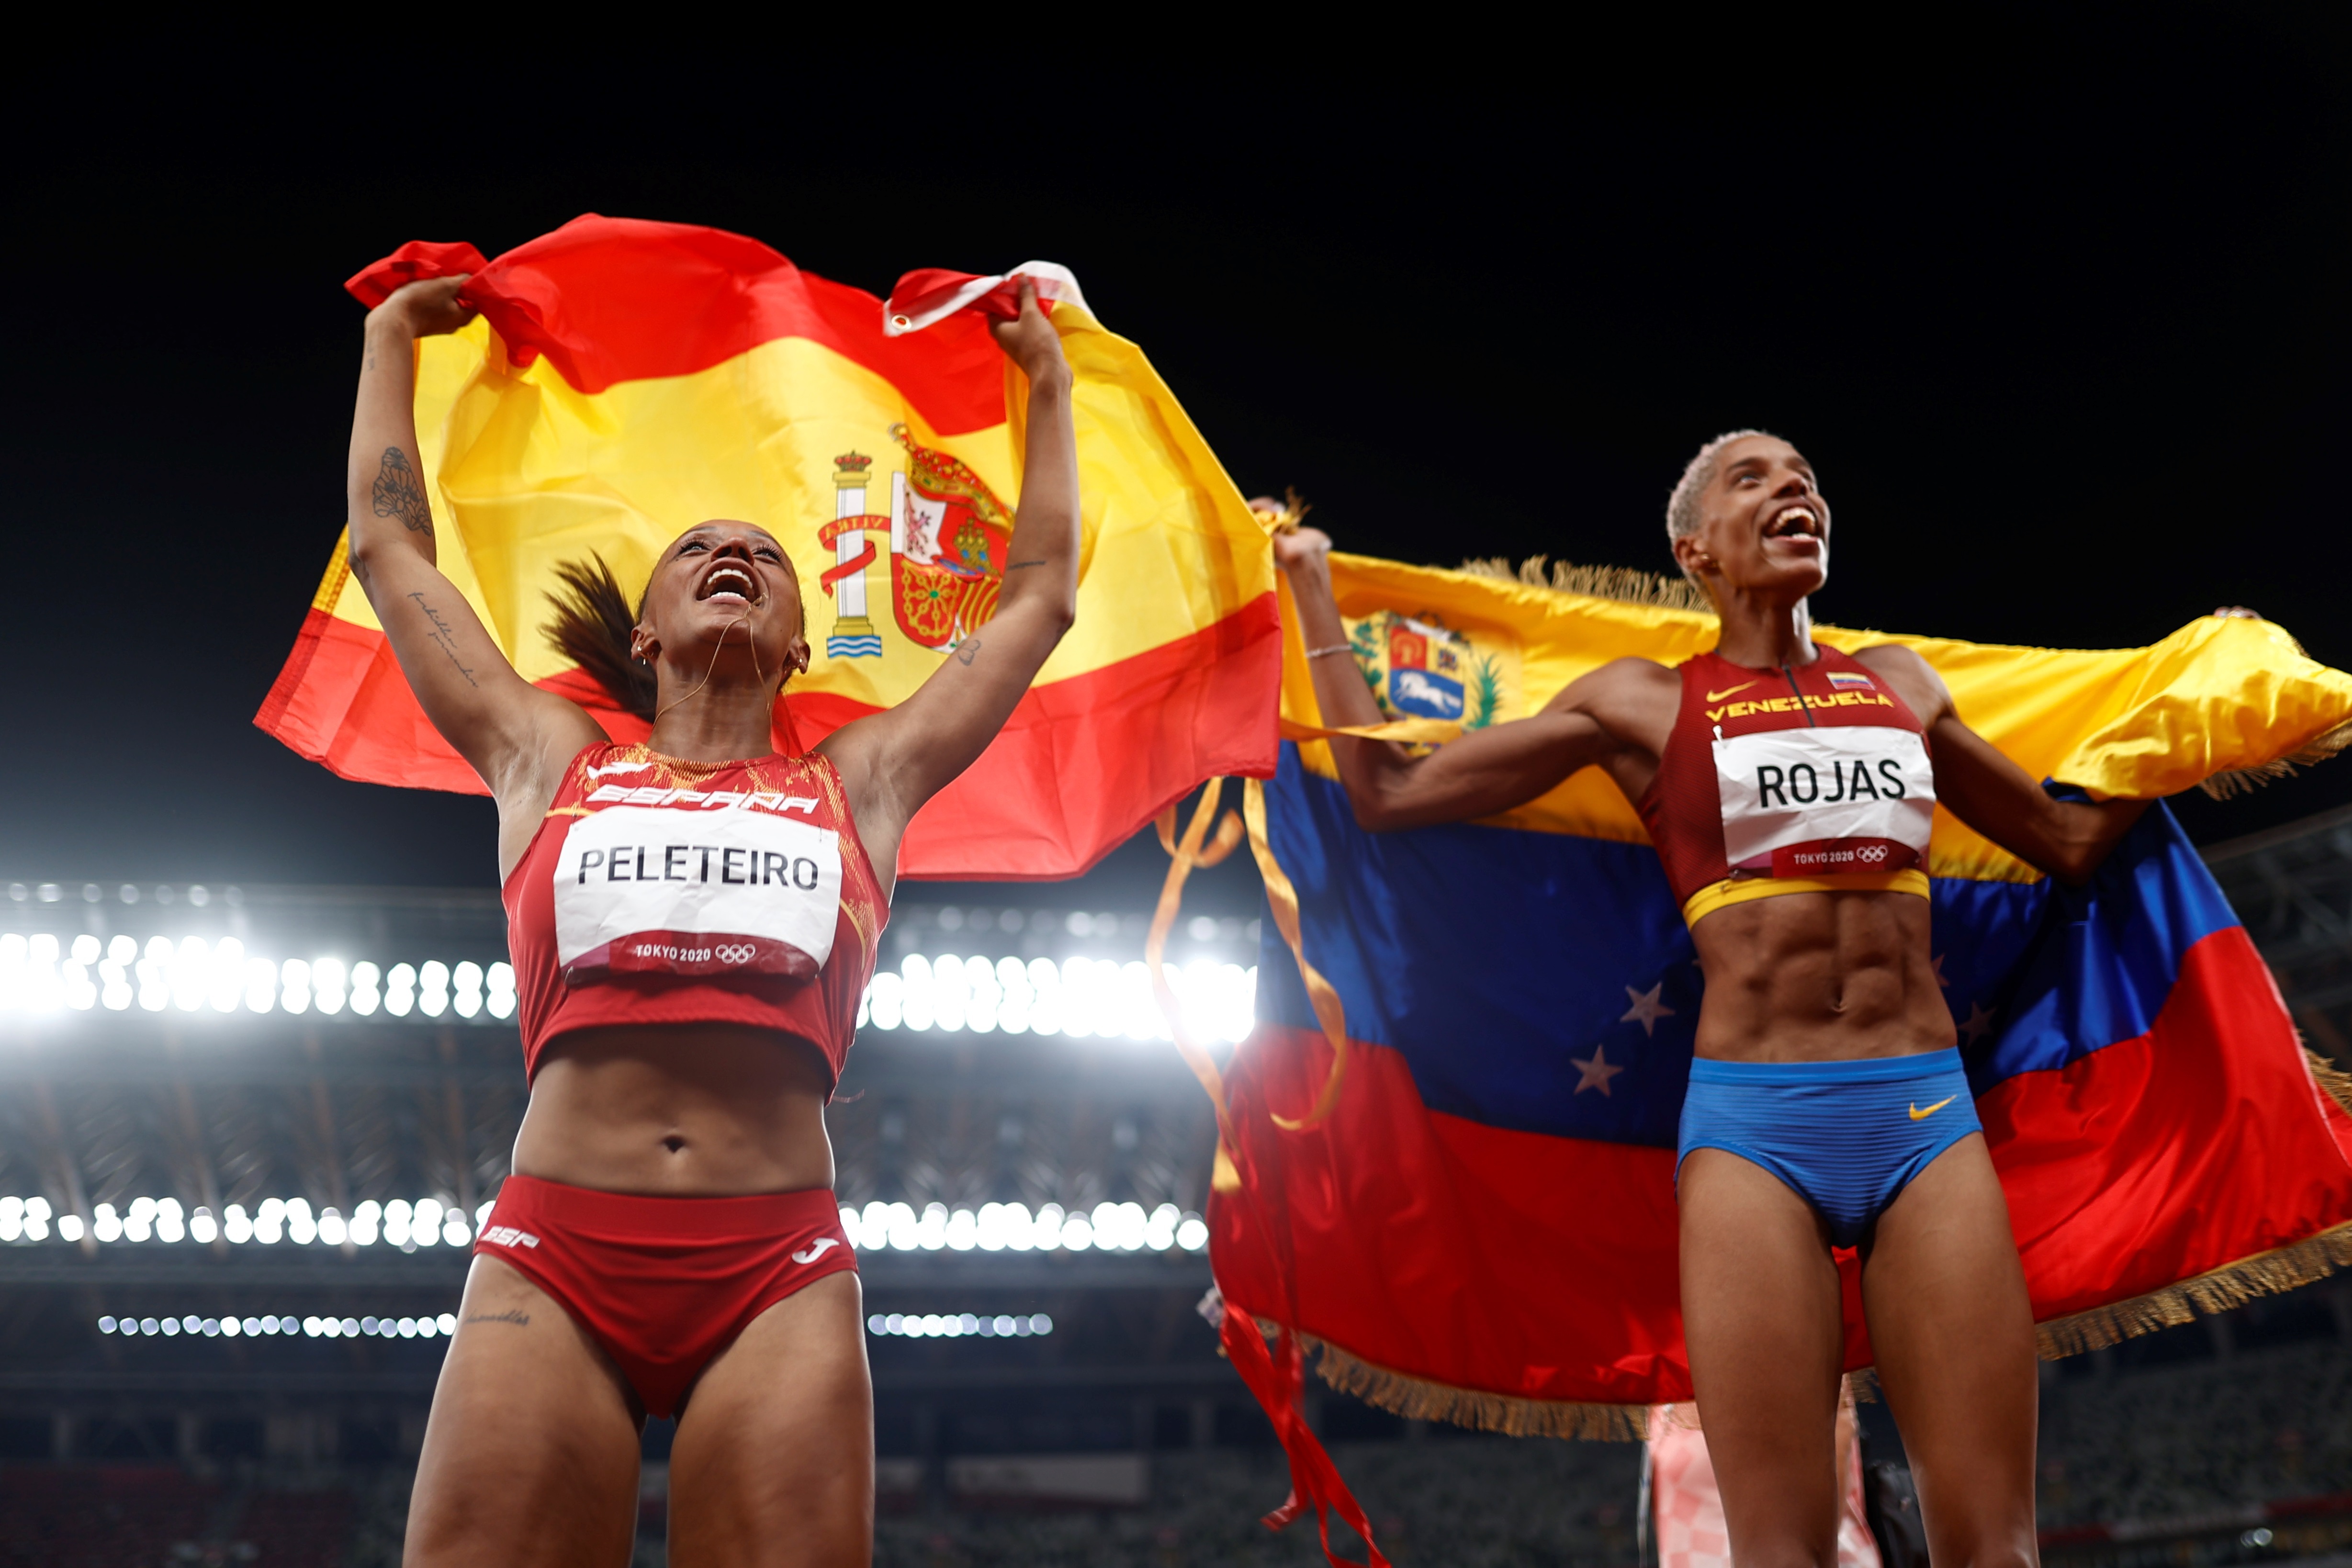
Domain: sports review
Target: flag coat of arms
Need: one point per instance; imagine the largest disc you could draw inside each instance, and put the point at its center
(625, 380)
(1482, 1227)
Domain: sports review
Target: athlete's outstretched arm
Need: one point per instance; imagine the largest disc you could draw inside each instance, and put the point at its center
(1484, 773)
(895, 761)
(497, 721)
(1984, 788)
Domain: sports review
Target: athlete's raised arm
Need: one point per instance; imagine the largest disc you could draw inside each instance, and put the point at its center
(1984, 788)
(517, 736)
(895, 761)
(1605, 717)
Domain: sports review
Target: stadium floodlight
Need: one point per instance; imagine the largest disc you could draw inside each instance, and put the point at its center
(467, 981)
(956, 1325)
(12, 1218)
(202, 1227)
(367, 1218)
(328, 977)
(502, 1000)
(333, 1230)
(400, 991)
(189, 973)
(105, 1224)
(225, 976)
(432, 988)
(1191, 1233)
(261, 985)
(294, 982)
(365, 998)
(235, 1226)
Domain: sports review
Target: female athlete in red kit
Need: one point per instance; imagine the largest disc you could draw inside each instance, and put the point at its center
(693, 921)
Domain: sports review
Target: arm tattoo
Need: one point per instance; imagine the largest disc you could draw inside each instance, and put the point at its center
(1017, 565)
(448, 639)
(398, 494)
(520, 1319)
(967, 651)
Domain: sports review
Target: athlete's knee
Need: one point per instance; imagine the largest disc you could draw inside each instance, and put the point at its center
(1965, 1543)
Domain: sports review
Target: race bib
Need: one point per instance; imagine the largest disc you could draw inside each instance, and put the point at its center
(1802, 802)
(652, 890)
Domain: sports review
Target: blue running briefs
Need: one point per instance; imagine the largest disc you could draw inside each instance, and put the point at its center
(1845, 1137)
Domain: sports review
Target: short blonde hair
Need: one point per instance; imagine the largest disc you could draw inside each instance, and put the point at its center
(1682, 507)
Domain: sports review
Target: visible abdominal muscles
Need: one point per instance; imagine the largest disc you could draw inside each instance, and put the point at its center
(683, 1110)
(1818, 976)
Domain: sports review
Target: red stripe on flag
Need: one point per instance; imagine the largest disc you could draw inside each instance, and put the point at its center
(1086, 760)
(622, 299)
(1545, 1268)
(1081, 764)
(2201, 1143)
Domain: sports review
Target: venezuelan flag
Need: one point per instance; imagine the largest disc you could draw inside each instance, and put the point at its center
(1480, 1224)
(625, 380)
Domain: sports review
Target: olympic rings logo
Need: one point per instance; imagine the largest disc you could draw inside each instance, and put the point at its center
(735, 952)
(1871, 852)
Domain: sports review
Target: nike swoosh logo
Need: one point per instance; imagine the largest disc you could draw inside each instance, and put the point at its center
(1718, 697)
(817, 1249)
(1916, 1113)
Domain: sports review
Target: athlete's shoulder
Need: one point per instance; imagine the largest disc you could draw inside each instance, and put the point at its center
(1629, 679)
(1914, 679)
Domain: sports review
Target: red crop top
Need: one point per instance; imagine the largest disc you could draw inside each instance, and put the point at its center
(1807, 779)
(662, 891)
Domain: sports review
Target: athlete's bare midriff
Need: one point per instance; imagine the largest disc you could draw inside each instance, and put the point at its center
(1820, 976)
(678, 1111)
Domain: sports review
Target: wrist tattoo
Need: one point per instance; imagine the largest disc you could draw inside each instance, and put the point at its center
(398, 493)
(448, 639)
(967, 651)
(1017, 565)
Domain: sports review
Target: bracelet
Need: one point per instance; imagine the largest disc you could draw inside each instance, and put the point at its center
(1326, 653)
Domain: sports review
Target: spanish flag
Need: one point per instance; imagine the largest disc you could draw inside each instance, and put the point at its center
(625, 380)
(1480, 1224)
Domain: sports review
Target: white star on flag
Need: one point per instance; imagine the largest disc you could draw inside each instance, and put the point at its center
(1594, 1072)
(1647, 1008)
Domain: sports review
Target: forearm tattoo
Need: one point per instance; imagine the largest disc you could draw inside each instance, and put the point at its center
(448, 639)
(398, 494)
(967, 651)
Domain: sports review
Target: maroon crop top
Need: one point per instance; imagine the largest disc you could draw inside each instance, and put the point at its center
(1808, 779)
(662, 891)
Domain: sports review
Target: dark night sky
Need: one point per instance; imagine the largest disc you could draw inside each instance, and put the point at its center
(2057, 310)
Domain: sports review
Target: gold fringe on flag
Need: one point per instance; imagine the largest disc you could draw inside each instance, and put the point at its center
(2233, 1285)
(1419, 1399)
(1424, 1399)
(2330, 1077)
(2243, 780)
(1621, 583)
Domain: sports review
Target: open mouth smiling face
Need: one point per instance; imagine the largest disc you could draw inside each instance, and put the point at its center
(729, 582)
(1801, 527)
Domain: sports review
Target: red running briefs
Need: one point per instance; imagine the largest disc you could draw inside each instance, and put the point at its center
(665, 1283)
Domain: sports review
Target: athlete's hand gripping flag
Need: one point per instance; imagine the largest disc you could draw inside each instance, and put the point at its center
(624, 379)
